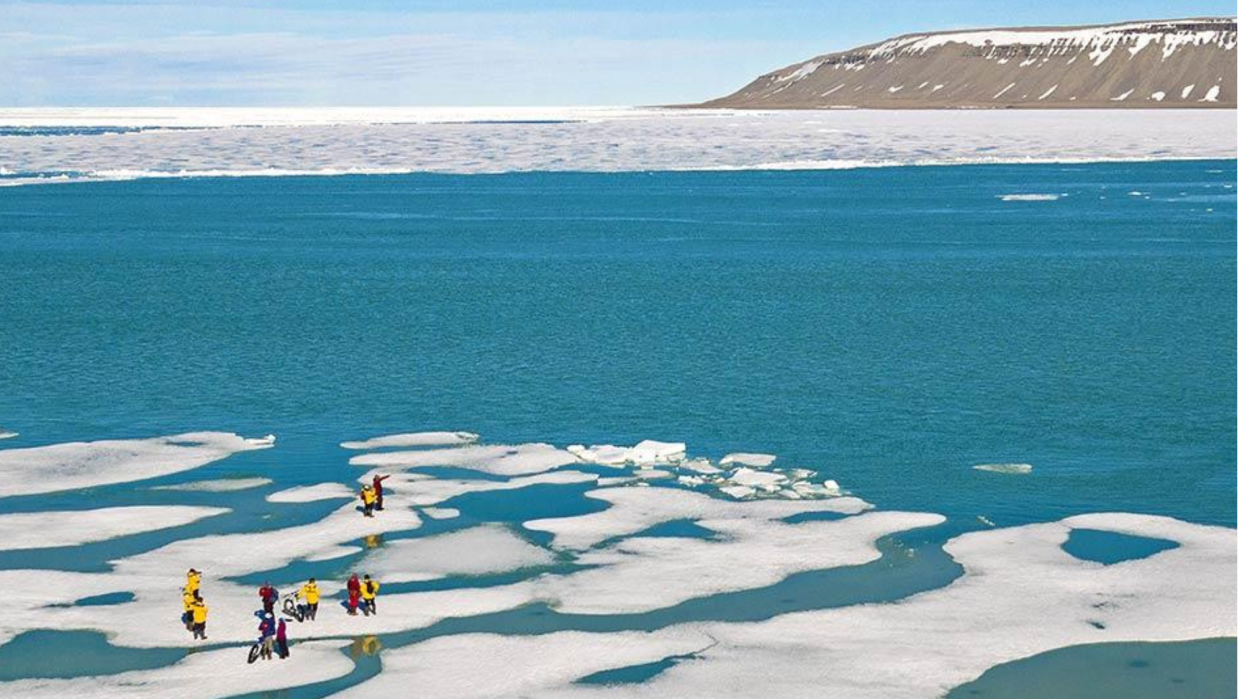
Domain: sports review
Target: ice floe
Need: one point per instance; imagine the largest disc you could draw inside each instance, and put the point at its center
(641, 574)
(220, 485)
(1015, 469)
(414, 439)
(631, 511)
(499, 460)
(645, 453)
(1020, 595)
(759, 460)
(474, 551)
(313, 493)
(5, 434)
(423, 490)
(35, 530)
(216, 673)
(1029, 197)
(485, 666)
(76, 465)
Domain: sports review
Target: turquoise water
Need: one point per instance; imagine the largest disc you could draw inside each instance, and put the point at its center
(889, 328)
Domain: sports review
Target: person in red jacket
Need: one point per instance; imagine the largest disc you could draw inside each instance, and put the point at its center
(377, 485)
(355, 591)
(268, 595)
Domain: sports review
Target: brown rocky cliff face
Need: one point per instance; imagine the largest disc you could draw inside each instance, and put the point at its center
(1168, 63)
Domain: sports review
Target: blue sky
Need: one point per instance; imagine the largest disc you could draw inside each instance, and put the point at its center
(467, 52)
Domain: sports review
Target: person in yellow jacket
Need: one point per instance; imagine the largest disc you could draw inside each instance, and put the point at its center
(370, 589)
(199, 612)
(193, 579)
(187, 612)
(368, 500)
(310, 593)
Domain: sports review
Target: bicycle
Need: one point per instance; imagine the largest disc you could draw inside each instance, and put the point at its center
(293, 609)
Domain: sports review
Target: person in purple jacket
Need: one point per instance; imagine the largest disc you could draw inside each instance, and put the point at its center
(282, 640)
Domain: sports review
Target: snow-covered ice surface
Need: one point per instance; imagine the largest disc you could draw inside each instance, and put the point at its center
(36, 530)
(312, 493)
(1021, 595)
(1021, 592)
(474, 551)
(414, 439)
(75, 465)
(1015, 469)
(224, 142)
(221, 485)
(216, 673)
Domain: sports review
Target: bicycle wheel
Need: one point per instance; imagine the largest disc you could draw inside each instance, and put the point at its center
(254, 653)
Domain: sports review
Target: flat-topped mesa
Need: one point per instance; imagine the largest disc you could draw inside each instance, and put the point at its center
(1165, 63)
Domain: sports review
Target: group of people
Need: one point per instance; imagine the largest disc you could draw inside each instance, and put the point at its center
(273, 631)
(194, 614)
(372, 495)
(362, 591)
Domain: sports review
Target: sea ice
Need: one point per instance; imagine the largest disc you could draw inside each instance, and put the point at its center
(1015, 469)
(221, 485)
(756, 460)
(414, 439)
(645, 453)
(312, 493)
(499, 460)
(36, 530)
(76, 465)
(423, 490)
(485, 549)
(1020, 595)
(207, 675)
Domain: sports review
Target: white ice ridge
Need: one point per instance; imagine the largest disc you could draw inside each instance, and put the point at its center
(37, 530)
(379, 142)
(1017, 469)
(217, 673)
(222, 485)
(476, 551)
(499, 460)
(1021, 594)
(76, 465)
(414, 439)
(312, 493)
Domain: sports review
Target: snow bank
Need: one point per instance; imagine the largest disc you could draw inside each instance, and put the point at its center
(86, 464)
(414, 439)
(217, 673)
(518, 460)
(222, 485)
(475, 551)
(36, 530)
(312, 493)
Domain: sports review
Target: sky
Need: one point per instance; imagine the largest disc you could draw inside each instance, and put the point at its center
(465, 52)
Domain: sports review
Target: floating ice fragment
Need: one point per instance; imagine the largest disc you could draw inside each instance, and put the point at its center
(221, 485)
(498, 459)
(1029, 197)
(475, 551)
(76, 465)
(312, 493)
(1005, 468)
(414, 439)
(758, 460)
(34, 530)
